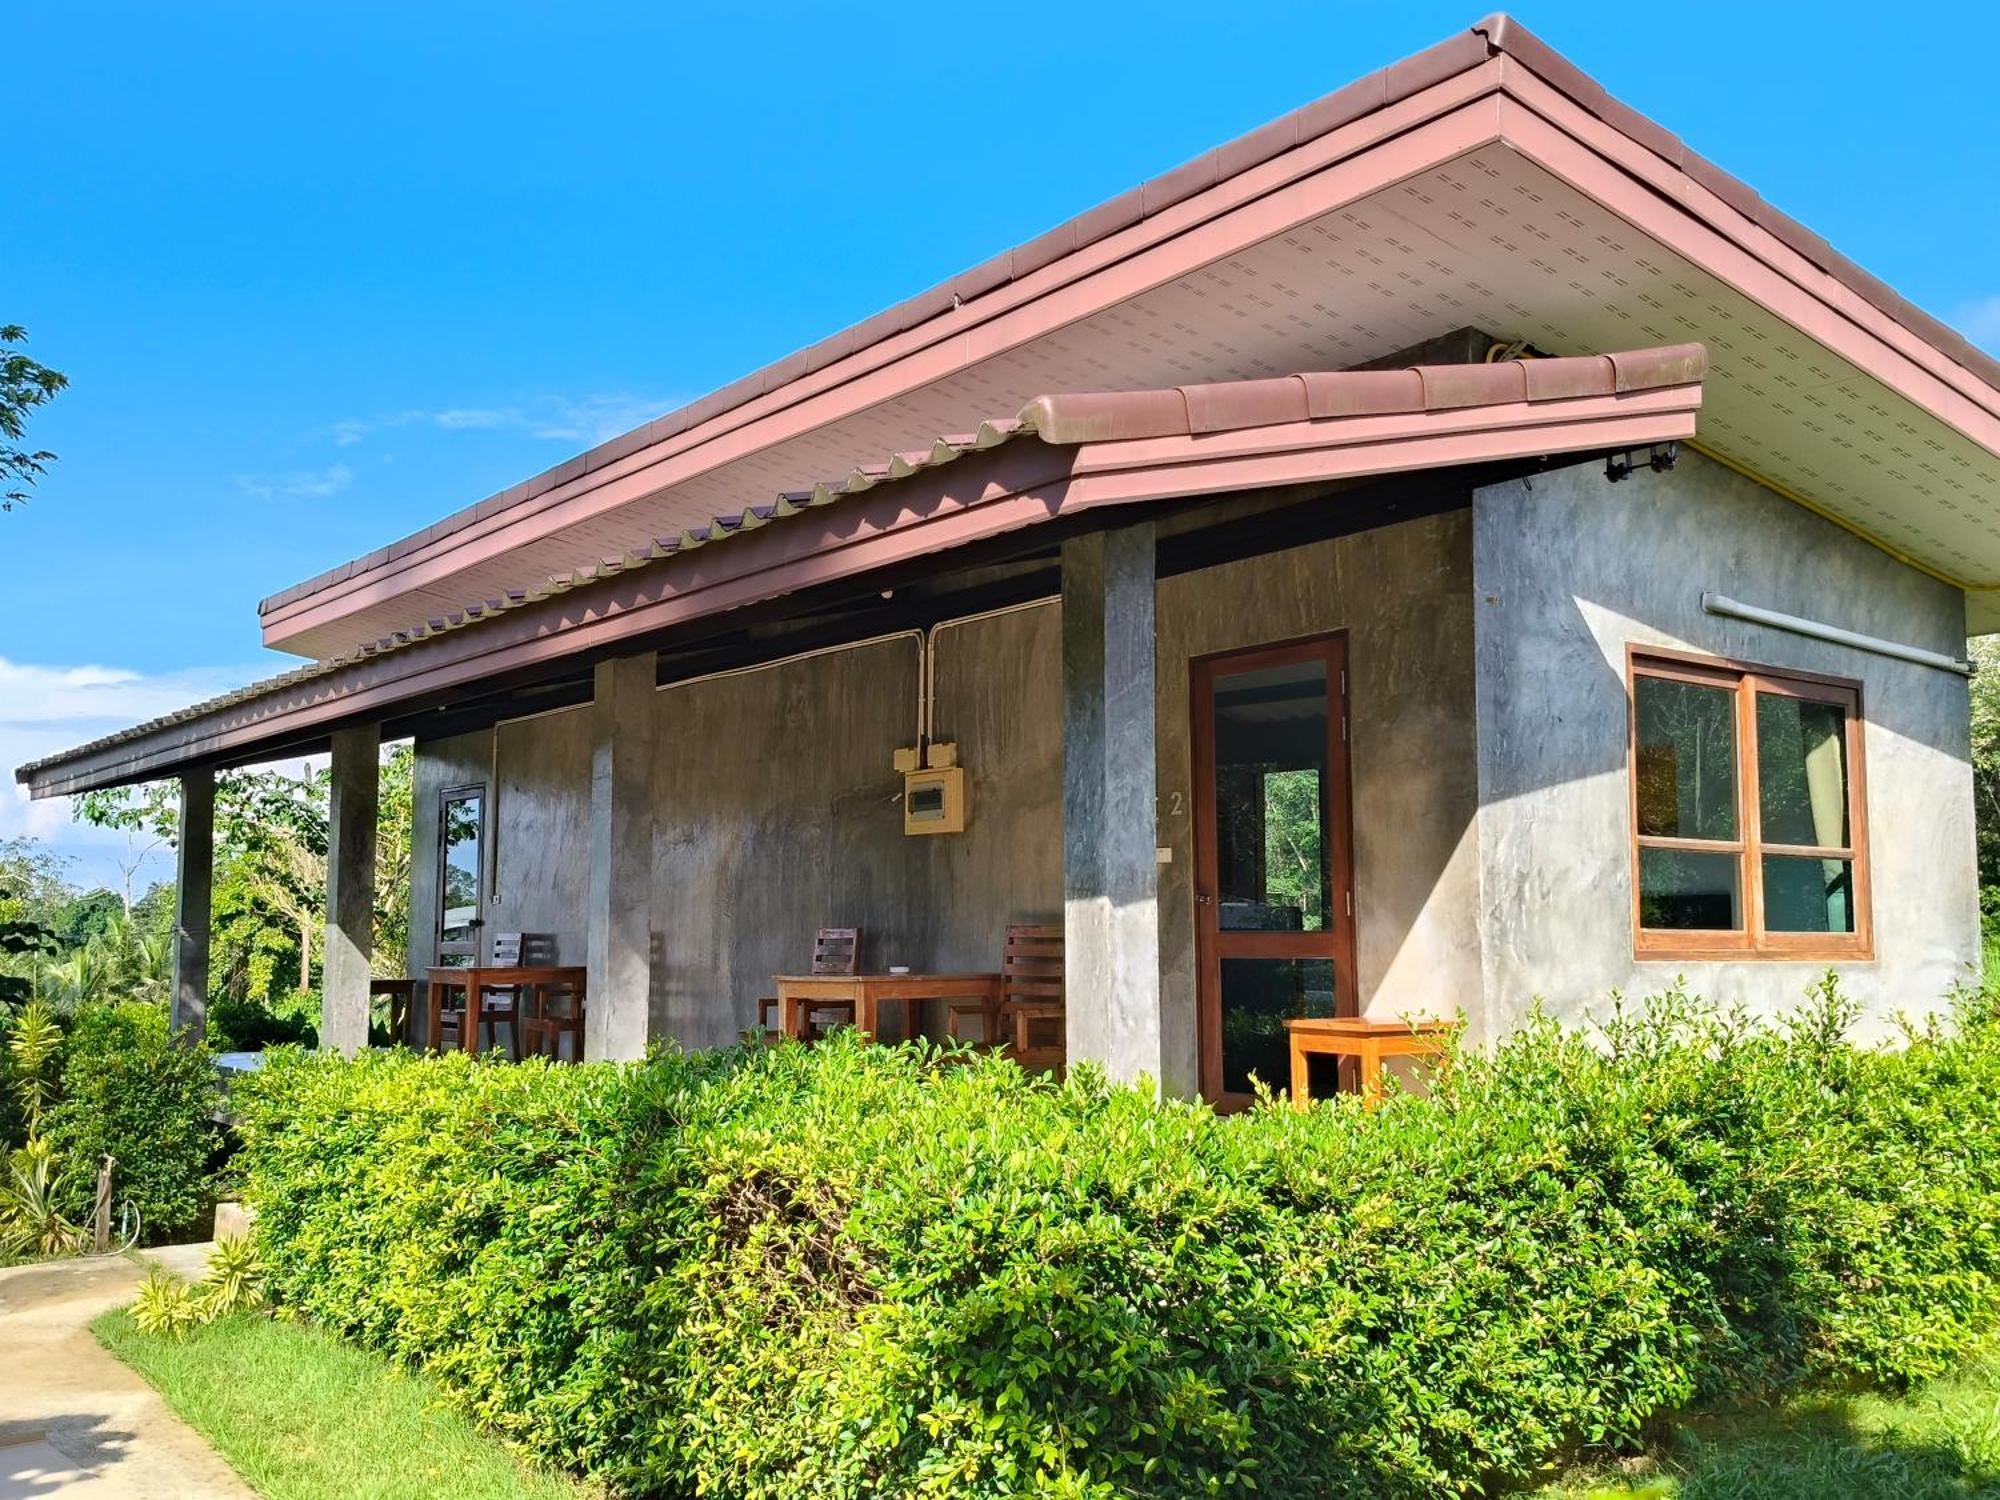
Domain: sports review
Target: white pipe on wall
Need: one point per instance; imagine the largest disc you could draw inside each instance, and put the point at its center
(786, 661)
(1722, 604)
(927, 730)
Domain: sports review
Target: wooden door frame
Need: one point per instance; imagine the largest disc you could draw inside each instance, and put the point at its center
(1331, 647)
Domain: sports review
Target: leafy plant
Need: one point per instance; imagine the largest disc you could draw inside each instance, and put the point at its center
(32, 1194)
(166, 1305)
(133, 1092)
(24, 385)
(234, 1280)
(852, 1270)
(34, 1047)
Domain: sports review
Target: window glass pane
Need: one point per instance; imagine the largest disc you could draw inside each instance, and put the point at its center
(1270, 799)
(459, 869)
(1802, 773)
(1682, 891)
(1808, 895)
(1685, 759)
(1258, 994)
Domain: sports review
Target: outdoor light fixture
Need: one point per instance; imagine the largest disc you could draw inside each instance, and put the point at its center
(1659, 458)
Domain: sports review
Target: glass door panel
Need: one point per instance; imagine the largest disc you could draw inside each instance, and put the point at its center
(461, 824)
(1272, 855)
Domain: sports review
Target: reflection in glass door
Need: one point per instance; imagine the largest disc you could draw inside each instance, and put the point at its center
(461, 875)
(1273, 856)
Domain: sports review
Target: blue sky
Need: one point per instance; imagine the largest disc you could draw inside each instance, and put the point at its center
(321, 273)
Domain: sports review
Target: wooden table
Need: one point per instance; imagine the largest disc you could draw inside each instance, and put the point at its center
(798, 993)
(1369, 1042)
(476, 982)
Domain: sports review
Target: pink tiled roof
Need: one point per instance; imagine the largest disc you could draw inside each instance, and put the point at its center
(1496, 35)
(1190, 410)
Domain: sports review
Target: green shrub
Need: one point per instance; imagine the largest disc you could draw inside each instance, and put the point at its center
(251, 1026)
(130, 1091)
(852, 1270)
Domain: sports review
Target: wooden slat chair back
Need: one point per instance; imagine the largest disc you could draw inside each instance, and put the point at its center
(1031, 995)
(1028, 1015)
(513, 950)
(836, 950)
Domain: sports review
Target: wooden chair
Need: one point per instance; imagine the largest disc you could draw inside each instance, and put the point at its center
(502, 1002)
(547, 1014)
(1029, 1012)
(836, 950)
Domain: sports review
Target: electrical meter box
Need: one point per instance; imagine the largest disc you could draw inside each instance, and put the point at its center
(934, 800)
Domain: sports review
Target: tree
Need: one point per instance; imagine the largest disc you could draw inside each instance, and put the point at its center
(32, 897)
(269, 899)
(24, 385)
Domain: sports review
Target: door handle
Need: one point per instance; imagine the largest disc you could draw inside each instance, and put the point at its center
(1202, 898)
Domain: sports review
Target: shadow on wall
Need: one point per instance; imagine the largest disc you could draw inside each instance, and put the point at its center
(1569, 568)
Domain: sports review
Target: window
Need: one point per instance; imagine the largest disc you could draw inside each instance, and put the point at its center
(1747, 812)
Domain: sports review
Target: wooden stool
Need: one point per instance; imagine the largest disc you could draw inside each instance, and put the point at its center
(1369, 1042)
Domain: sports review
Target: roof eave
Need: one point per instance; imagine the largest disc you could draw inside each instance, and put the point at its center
(1274, 433)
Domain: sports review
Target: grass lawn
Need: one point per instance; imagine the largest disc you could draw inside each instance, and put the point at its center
(1938, 1443)
(302, 1417)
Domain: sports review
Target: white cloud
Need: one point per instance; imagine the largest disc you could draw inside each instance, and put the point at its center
(297, 484)
(45, 709)
(569, 419)
(1980, 322)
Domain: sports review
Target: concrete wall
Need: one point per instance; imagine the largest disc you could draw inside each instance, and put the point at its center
(777, 810)
(537, 829)
(1568, 569)
(1403, 594)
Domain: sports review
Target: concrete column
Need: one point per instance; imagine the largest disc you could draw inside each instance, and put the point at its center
(621, 858)
(350, 888)
(1110, 817)
(193, 879)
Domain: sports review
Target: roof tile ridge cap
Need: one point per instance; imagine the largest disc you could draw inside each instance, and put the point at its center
(1067, 418)
(1494, 28)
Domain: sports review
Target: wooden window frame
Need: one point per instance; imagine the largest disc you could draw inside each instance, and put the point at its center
(1747, 680)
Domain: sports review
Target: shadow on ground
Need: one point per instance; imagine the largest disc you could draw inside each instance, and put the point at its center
(42, 1457)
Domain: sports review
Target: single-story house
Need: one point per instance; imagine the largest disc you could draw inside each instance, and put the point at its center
(1450, 547)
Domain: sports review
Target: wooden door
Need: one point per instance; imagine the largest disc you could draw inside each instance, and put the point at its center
(1274, 855)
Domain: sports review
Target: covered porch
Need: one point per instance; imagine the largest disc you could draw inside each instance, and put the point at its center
(1187, 673)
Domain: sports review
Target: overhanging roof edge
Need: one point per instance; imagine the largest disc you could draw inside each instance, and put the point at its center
(1495, 35)
(1379, 421)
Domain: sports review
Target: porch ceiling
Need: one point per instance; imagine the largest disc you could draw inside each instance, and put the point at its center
(1482, 183)
(1091, 451)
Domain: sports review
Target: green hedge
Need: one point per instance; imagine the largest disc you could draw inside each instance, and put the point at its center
(131, 1092)
(868, 1271)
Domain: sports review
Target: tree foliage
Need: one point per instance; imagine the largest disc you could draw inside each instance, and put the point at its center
(1985, 654)
(24, 385)
(268, 905)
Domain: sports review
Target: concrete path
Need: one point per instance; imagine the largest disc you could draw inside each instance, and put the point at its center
(75, 1424)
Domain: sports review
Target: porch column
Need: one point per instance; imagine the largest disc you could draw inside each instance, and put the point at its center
(194, 875)
(350, 888)
(621, 858)
(1110, 819)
